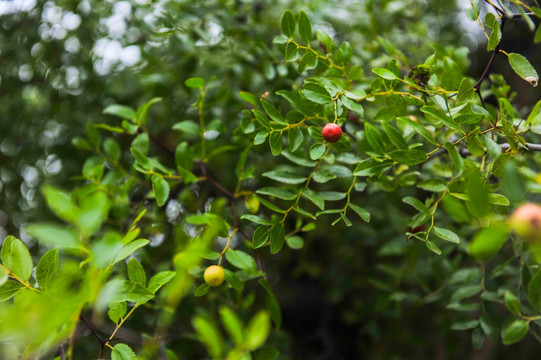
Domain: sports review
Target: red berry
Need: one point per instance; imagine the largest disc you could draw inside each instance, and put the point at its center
(526, 221)
(331, 132)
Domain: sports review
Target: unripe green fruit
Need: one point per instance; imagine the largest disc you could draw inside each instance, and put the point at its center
(331, 132)
(526, 222)
(214, 275)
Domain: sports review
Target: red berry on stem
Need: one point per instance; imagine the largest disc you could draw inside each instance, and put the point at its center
(331, 132)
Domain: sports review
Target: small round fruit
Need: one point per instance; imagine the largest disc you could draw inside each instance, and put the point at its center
(331, 132)
(214, 275)
(526, 221)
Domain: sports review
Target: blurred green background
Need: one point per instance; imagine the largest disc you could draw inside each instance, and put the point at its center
(62, 62)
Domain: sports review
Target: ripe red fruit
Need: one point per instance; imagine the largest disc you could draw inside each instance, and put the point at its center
(526, 221)
(331, 132)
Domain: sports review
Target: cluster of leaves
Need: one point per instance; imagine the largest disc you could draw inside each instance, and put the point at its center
(428, 133)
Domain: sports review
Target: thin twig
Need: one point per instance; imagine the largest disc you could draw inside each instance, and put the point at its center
(504, 146)
(101, 340)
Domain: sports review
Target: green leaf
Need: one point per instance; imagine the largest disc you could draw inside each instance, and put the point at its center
(129, 249)
(277, 238)
(140, 158)
(489, 241)
(117, 311)
(142, 112)
(466, 292)
(317, 151)
(269, 205)
(513, 183)
(305, 29)
(496, 35)
(325, 40)
(159, 280)
(498, 199)
(456, 159)
(276, 143)
(248, 97)
(201, 290)
(54, 235)
(258, 330)
(439, 115)
(16, 257)
(416, 204)
(47, 267)
(477, 193)
(277, 192)
(446, 234)
(512, 303)
(295, 242)
(515, 331)
(260, 237)
(188, 127)
(535, 111)
(353, 106)
(121, 111)
(241, 260)
(490, 327)
(316, 93)
(233, 280)
(160, 188)
(273, 112)
(295, 138)
(112, 149)
(232, 324)
(141, 143)
(284, 176)
(3, 276)
(9, 289)
(266, 353)
(313, 197)
(288, 24)
(209, 334)
(372, 167)
(465, 325)
(409, 157)
(298, 160)
(419, 129)
(256, 219)
(523, 68)
(195, 82)
(435, 185)
(344, 53)
(123, 352)
(385, 73)
(534, 291)
(136, 273)
(432, 247)
(291, 51)
(127, 291)
(465, 90)
(260, 137)
(183, 156)
(477, 339)
(374, 139)
(395, 136)
(363, 214)
(60, 203)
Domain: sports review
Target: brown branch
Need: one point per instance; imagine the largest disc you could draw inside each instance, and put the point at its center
(232, 200)
(503, 146)
(101, 340)
(156, 140)
(62, 352)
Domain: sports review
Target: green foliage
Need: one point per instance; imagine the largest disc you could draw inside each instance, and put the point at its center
(174, 174)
